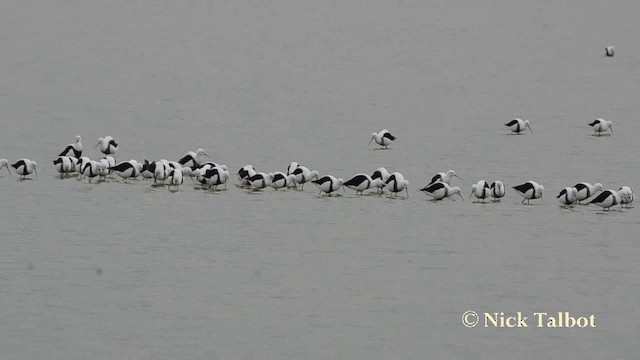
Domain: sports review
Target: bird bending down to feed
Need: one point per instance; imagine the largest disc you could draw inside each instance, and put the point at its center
(586, 190)
(600, 126)
(25, 167)
(497, 190)
(518, 125)
(441, 190)
(568, 196)
(397, 183)
(480, 190)
(328, 184)
(529, 191)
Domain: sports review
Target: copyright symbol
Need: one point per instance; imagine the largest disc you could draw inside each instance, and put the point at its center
(470, 319)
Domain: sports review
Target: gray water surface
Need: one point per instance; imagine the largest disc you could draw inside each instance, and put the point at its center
(127, 271)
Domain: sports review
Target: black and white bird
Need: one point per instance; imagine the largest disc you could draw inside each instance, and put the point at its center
(497, 190)
(282, 180)
(245, 173)
(74, 150)
(518, 125)
(397, 183)
(607, 199)
(381, 173)
(586, 190)
(216, 176)
(609, 51)
(362, 182)
(193, 159)
(108, 146)
(441, 190)
(382, 138)
(529, 191)
(4, 163)
(175, 178)
(127, 169)
(25, 167)
(260, 181)
(91, 169)
(480, 190)
(304, 175)
(626, 196)
(63, 165)
(568, 196)
(444, 177)
(328, 184)
(601, 125)
(292, 167)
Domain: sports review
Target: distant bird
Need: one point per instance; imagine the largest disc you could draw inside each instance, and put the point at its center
(568, 196)
(74, 150)
(282, 180)
(382, 138)
(601, 125)
(441, 190)
(108, 146)
(586, 190)
(193, 159)
(497, 190)
(480, 190)
(245, 173)
(626, 196)
(609, 51)
(607, 199)
(25, 167)
(175, 178)
(397, 183)
(529, 191)
(381, 173)
(304, 175)
(260, 180)
(518, 125)
(444, 177)
(4, 163)
(328, 184)
(362, 182)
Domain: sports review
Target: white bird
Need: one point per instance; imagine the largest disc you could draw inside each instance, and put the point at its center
(108, 146)
(193, 159)
(4, 163)
(160, 171)
(606, 199)
(529, 190)
(601, 125)
(328, 184)
(245, 173)
(444, 177)
(74, 150)
(281, 180)
(480, 190)
(105, 164)
(381, 173)
(441, 190)
(175, 178)
(609, 51)
(362, 182)
(586, 190)
(292, 167)
(518, 125)
(63, 165)
(80, 165)
(215, 176)
(497, 190)
(25, 167)
(303, 175)
(382, 138)
(397, 183)
(127, 169)
(260, 180)
(626, 196)
(568, 196)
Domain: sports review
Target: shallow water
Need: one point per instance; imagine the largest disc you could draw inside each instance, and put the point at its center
(127, 271)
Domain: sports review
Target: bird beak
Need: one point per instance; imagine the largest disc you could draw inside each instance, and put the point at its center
(458, 177)
(96, 145)
(611, 130)
(470, 195)
(407, 188)
(461, 197)
(530, 129)
(35, 171)
(370, 141)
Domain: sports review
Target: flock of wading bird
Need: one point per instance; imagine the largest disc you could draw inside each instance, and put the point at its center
(211, 175)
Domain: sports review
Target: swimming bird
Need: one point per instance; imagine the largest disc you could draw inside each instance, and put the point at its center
(609, 51)
(260, 180)
(108, 146)
(362, 182)
(518, 125)
(444, 177)
(568, 196)
(5, 163)
(282, 180)
(586, 190)
(382, 138)
(601, 125)
(381, 173)
(606, 199)
(529, 190)
(25, 167)
(193, 159)
(626, 196)
(441, 190)
(74, 150)
(63, 165)
(497, 190)
(304, 175)
(127, 169)
(397, 183)
(175, 178)
(245, 173)
(480, 190)
(328, 184)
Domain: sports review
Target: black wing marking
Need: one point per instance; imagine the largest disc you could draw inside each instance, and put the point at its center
(297, 171)
(67, 150)
(391, 178)
(113, 143)
(278, 177)
(322, 180)
(436, 178)
(580, 186)
(186, 159)
(433, 187)
(602, 197)
(523, 188)
(57, 161)
(594, 123)
(356, 180)
(376, 175)
(389, 136)
(18, 164)
(256, 177)
(562, 193)
(511, 123)
(122, 167)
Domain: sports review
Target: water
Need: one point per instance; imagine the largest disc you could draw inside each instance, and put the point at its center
(125, 271)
